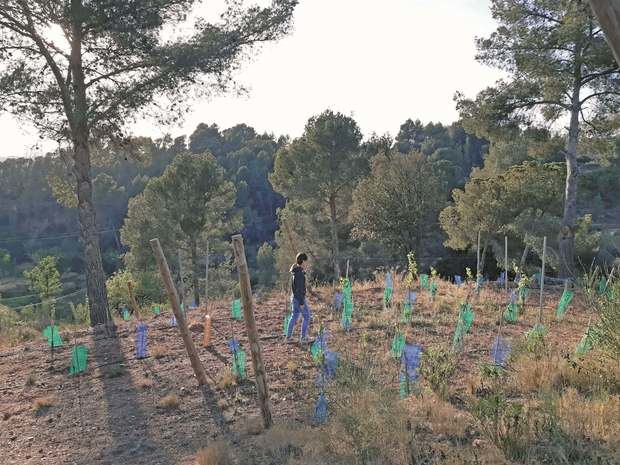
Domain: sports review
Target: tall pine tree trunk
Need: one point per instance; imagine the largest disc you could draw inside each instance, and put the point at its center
(95, 276)
(483, 257)
(334, 232)
(566, 238)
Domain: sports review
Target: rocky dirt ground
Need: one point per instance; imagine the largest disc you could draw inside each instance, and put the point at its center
(111, 414)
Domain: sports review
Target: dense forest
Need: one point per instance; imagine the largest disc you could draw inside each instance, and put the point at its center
(462, 184)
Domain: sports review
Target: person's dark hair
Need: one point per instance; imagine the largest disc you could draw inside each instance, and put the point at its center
(300, 258)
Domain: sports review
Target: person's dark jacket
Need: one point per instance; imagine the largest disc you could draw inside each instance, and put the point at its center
(299, 283)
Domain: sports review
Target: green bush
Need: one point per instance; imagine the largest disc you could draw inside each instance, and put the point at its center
(504, 423)
(437, 367)
(607, 331)
(147, 288)
(80, 313)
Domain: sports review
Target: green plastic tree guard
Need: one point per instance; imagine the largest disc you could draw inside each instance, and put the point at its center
(53, 336)
(398, 343)
(563, 304)
(235, 311)
(79, 359)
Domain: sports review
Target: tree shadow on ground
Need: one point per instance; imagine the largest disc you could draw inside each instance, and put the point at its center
(131, 439)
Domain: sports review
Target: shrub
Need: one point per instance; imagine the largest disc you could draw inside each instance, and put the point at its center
(607, 331)
(169, 402)
(217, 453)
(81, 314)
(147, 288)
(43, 404)
(504, 423)
(437, 367)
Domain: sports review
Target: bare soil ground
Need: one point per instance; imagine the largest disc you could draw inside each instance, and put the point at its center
(110, 415)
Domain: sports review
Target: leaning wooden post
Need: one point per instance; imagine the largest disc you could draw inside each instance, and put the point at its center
(181, 285)
(542, 279)
(132, 301)
(506, 262)
(162, 264)
(250, 326)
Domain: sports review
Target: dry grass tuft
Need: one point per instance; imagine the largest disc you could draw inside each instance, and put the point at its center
(285, 439)
(217, 453)
(144, 383)
(169, 402)
(42, 404)
(589, 419)
(554, 372)
(31, 379)
(292, 366)
(222, 404)
(253, 425)
(158, 352)
(225, 379)
(440, 416)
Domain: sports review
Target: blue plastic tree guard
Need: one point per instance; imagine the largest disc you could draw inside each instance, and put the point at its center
(173, 321)
(501, 279)
(337, 300)
(411, 297)
(320, 410)
(458, 279)
(412, 354)
(500, 351)
(141, 340)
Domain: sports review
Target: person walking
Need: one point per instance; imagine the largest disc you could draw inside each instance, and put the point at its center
(300, 305)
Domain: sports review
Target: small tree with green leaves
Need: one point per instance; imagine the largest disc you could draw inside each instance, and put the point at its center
(319, 170)
(398, 204)
(45, 281)
(189, 204)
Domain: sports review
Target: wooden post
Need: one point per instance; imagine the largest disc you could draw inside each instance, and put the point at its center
(542, 279)
(207, 274)
(162, 264)
(181, 286)
(250, 325)
(506, 261)
(132, 301)
(478, 258)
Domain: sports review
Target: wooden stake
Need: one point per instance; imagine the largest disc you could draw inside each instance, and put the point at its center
(164, 271)
(250, 325)
(542, 279)
(181, 286)
(132, 301)
(506, 262)
(347, 275)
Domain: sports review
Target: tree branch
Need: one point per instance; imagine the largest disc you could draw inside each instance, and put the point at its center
(598, 94)
(32, 33)
(591, 77)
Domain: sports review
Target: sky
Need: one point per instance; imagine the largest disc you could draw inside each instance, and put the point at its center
(380, 62)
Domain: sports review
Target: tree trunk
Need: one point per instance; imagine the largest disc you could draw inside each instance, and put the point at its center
(334, 231)
(526, 251)
(483, 258)
(194, 258)
(95, 276)
(608, 14)
(566, 237)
